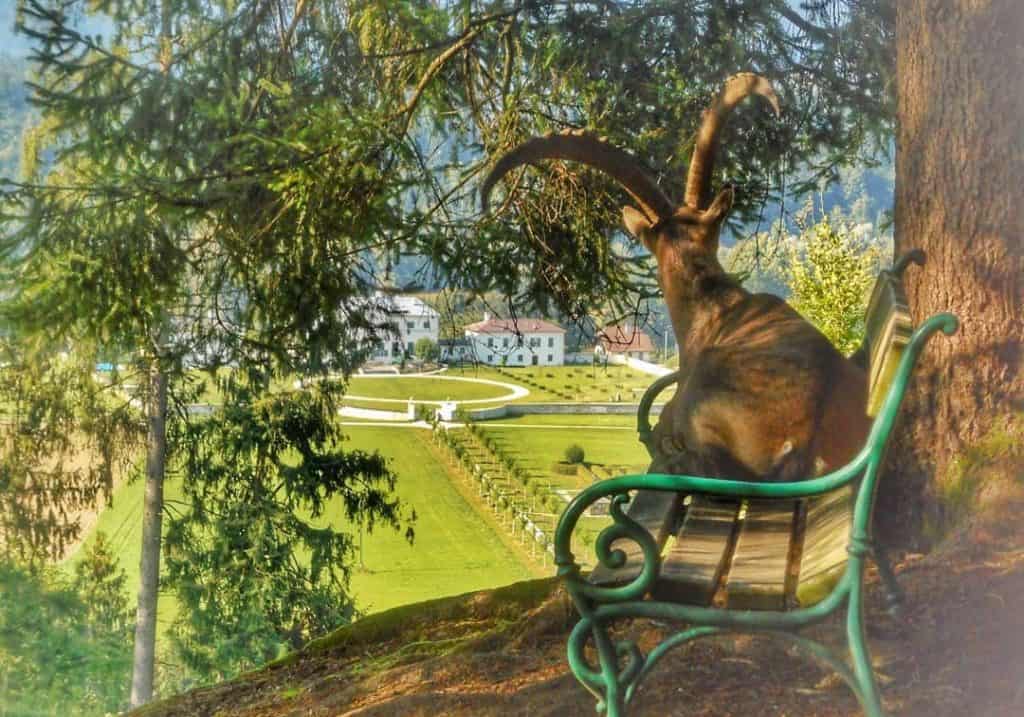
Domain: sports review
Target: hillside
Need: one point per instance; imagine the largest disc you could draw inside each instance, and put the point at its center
(960, 651)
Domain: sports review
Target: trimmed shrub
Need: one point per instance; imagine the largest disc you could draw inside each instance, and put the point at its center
(574, 454)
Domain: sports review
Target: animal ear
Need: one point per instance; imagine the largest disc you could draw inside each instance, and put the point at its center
(638, 225)
(719, 207)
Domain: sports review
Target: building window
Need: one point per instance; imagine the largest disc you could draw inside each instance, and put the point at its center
(410, 348)
(426, 324)
(551, 342)
(490, 343)
(519, 358)
(551, 359)
(490, 358)
(410, 325)
(504, 342)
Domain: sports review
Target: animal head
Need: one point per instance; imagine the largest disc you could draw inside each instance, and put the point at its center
(679, 236)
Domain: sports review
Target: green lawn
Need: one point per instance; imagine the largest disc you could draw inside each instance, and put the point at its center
(423, 389)
(453, 552)
(122, 524)
(546, 384)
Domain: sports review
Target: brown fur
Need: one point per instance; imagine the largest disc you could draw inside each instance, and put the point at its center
(764, 395)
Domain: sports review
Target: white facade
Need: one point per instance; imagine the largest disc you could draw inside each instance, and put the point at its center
(520, 342)
(410, 320)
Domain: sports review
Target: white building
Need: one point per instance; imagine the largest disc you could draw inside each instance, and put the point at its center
(624, 340)
(406, 320)
(517, 342)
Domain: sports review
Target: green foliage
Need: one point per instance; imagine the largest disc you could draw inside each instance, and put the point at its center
(830, 276)
(59, 652)
(102, 584)
(202, 203)
(426, 349)
(255, 569)
(63, 438)
(574, 453)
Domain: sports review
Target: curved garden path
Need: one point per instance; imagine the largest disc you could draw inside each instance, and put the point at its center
(514, 392)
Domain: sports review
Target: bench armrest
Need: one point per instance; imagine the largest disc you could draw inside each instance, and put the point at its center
(643, 417)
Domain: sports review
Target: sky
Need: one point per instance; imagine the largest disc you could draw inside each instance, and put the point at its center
(9, 42)
(19, 45)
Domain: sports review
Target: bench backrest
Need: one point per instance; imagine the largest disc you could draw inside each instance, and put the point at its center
(888, 328)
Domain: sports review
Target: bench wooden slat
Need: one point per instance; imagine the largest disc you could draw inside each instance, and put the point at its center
(825, 539)
(760, 564)
(658, 512)
(693, 564)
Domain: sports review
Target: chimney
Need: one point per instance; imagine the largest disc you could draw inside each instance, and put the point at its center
(487, 316)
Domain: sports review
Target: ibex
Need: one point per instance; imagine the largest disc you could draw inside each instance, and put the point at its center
(763, 395)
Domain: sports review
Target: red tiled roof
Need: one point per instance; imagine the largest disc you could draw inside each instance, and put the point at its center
(622, 338)
(511, 326)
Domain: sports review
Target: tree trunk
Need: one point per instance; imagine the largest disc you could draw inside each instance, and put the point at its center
(149, 563)
(959, 196)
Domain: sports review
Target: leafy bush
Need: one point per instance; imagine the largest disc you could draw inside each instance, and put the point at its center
(426, 349)
(65, 644)
(574, 453)
(830, 279)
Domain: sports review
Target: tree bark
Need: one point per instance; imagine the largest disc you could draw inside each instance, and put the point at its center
(149, 563)
(959, 196)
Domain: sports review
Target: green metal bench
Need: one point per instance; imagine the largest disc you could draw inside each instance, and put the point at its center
(733, 556)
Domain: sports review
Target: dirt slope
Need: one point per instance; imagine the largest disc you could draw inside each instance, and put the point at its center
(960, 651)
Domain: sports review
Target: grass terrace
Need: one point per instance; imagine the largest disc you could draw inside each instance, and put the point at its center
(584, 384)
(539, 449)
(454, 552)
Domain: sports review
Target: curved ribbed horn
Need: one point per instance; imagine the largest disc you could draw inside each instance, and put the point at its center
(737, 87)
(578, 146)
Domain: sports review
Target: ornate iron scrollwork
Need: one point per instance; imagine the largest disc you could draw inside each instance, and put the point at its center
(622, 528)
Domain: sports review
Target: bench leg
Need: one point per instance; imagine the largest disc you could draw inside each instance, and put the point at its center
(860, 654)
(614, 703)
(893, 591)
